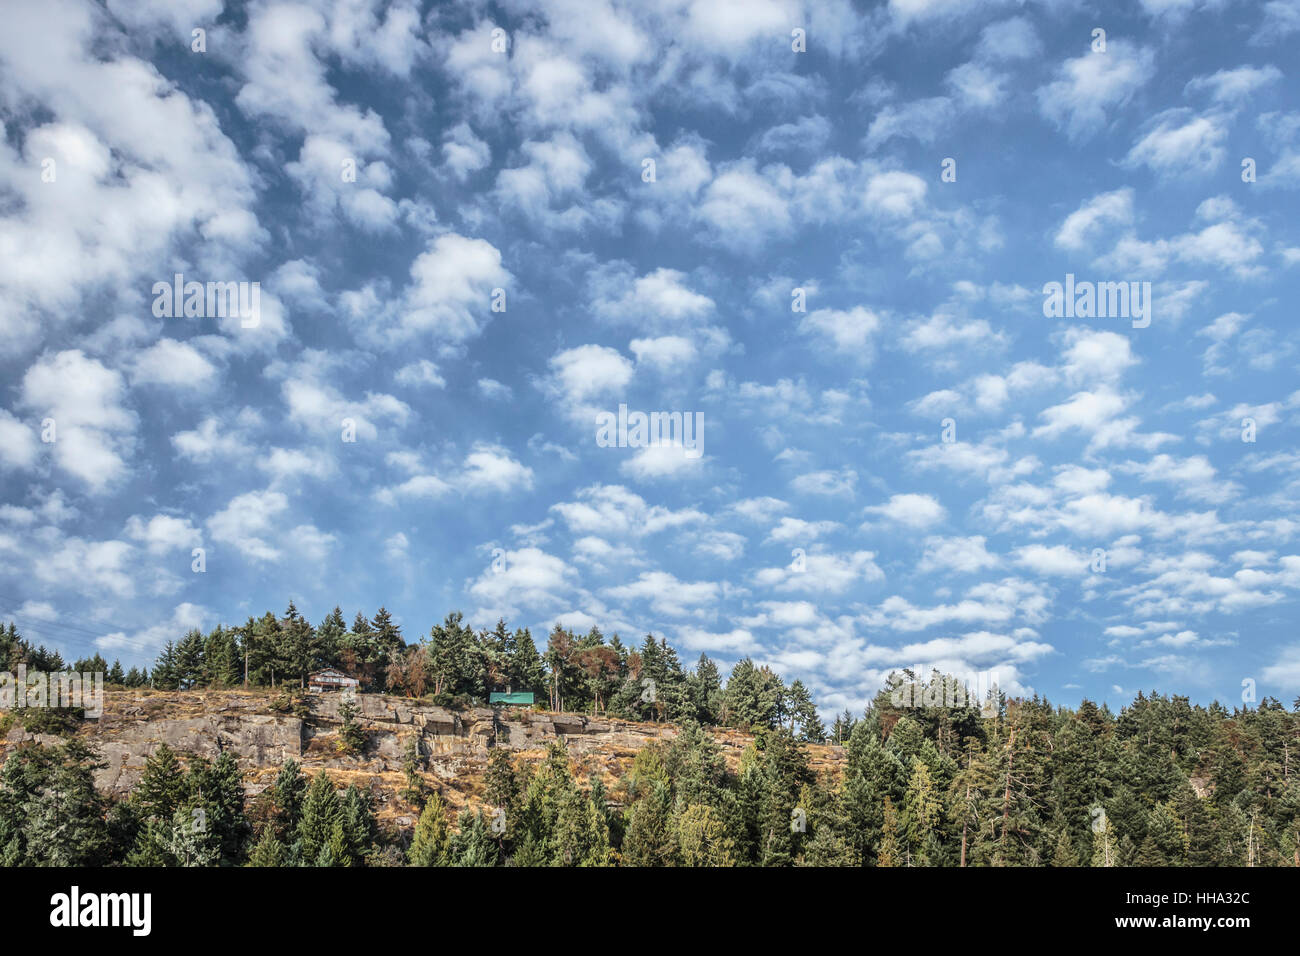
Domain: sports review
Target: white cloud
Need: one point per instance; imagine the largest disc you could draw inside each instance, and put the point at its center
(163, 533)
(668, 352)
(175, 365)
(829, 483)
(491, 468)
(742, 207)
(586, 372)
(666, 594)
(449, 297)
(420, 373)
(18, 444)
(317, 405)
(1181, 143)
(94, 431)
(964, 555)
(527, 578)
(248, 521)
(612, 511)
(658, 300)
(912, 510)
(1087, 86)
(464, 152)
(99, 566)
(1284, 671)
(795, 530)
(1082, 225)
(847, 331)
(492, 389)
(1236, 85)
(1056, 560)
(822, 572)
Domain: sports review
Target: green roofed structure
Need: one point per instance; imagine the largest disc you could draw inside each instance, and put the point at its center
(520, 697)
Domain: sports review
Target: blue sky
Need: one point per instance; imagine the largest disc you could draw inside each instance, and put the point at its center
(828, 528)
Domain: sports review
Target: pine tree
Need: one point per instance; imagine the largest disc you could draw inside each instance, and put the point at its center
(473, 845)
(842, 729)
(412, 765)
(188, 660)
(357, 825)
(889, 854)
(331, 636)
(386, 633)
(752, 697)
(704, 691)
(222, 662)
(501, 784)
(1104, 850)
(218, 789)
(352, 739)
(268, 851)
(1149, 854)
(650, 840)
(921, 812)
(702, 838)
(63, 815)
(189, 841)
(321, 816)
(431, 844)
(165, 675)
(872, 774)
(525, 664)
(1064, 854)
(151, 846)
(803, 714)
(161, 789)
(290, 788)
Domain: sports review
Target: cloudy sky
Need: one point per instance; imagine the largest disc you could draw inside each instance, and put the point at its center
(907, 463)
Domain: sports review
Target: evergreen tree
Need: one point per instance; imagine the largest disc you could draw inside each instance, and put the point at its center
(501, 789)
(161, 789)
(889, 854)
(473, 845)
(289, 789)
(1104, 850)
(704, 692)
(872, 775)
(702, 838)
(412, 765)
(524, 666)
(752, 697)
(268, 851)
(321, 818)
(352, 739)
(431, 844)
(358, 826)
(331, 637)
(63, 817)
(921, 813)
(803, 714)
(189, 841)
(650, 840)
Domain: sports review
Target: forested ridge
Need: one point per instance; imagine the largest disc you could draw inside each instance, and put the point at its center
(1018, 782)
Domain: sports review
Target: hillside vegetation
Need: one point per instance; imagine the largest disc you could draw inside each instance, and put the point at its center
(646, 765)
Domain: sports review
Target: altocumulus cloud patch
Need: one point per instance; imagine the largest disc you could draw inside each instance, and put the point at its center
(984, 311)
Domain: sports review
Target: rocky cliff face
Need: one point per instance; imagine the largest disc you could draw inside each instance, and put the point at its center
(454, 743)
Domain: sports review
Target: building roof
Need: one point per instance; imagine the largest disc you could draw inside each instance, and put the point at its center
(332, 675)
(517, 697)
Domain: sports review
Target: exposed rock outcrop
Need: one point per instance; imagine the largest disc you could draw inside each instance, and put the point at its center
(454, 743)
